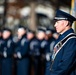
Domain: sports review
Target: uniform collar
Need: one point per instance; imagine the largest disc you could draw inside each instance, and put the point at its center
(5, 40)
(23, 36)
(32, 39)
(66, 33)
(61, 36)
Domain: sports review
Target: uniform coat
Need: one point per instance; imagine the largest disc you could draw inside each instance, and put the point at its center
(23, 61)
(7, 47)
(65, 60)
(49, 51)
(34, 52)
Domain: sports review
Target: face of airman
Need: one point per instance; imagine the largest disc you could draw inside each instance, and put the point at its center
(6, 34)
(21, 32)
(41, 35)
(61, 26)
(30, 36)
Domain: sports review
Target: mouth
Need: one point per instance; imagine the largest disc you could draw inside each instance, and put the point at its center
(56, 28)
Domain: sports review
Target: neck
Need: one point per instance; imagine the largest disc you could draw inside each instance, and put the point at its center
(67, 28)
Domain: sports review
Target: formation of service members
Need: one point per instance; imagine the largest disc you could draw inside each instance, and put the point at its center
(42, 52)
(29, 54)
(38, 53)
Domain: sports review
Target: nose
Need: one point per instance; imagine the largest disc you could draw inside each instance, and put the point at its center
(55, 24)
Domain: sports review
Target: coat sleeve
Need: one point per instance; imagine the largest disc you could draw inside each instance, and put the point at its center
(24, 48)
(67, 60)
(10, 49)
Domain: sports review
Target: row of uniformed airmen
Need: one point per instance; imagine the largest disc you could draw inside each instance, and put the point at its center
(30, 53)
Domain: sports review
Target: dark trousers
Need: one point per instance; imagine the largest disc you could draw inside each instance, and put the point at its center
(22, 66)
(7, 66)
(0, 66)
(34, 66)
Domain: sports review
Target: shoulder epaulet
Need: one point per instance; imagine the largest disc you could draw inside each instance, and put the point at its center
(32, 44)
(23, 41)
(9, 43)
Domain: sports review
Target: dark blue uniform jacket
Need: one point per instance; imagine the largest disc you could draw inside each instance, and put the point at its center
(65, 60)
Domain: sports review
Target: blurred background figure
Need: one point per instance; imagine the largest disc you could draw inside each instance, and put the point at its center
(0, 50)
(55, 35)
(51, 41)
(0, 34)
(21, 52)
(7, 52)
(34, 52)
(43, 48)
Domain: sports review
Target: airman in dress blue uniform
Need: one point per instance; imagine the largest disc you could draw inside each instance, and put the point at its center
(0, 50)
(21, 52)
(34, 52)
(64, 53)
(7, 52)
(43, 48)
(51, 42)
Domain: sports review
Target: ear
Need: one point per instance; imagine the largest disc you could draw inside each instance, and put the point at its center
(65, 23)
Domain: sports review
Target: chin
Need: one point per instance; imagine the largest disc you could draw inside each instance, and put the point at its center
(58, 32)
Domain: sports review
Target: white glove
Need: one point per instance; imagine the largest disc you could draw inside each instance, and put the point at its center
(5, 54)
(48, 57)
(19, 55)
